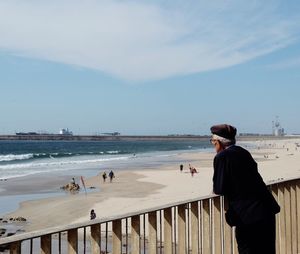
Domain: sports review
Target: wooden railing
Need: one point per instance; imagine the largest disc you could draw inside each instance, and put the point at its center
(190, 227)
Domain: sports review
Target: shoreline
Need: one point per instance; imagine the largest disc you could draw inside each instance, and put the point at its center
(138, 188)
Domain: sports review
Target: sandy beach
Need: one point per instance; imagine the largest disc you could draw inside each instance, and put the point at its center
(137, 189)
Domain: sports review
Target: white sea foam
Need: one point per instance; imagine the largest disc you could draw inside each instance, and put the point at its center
(13, 157)
(59, 163)
(113, 152)
(41, 166)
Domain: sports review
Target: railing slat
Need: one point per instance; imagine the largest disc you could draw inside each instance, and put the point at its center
(274, 190)
(117, 236)
(15, 248)
(181, 230)
(227, 237)
(168, 230)
(217, 236)
(287, 202)
(135, 234)
(46, 244)
(293, 217)
(282, 222)
(95, 238)
(206, 227)
(298, 214)
(234, 243)
(73, 241)
(152, 243)
(195, 227)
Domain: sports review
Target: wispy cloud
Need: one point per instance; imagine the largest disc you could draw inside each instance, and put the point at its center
(142, 40)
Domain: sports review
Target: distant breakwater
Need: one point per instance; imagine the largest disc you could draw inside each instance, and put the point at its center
(131, 138)
(103, 138)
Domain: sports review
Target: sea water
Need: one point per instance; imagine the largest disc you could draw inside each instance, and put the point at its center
(23, 158)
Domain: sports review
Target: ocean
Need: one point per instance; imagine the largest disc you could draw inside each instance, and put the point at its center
(23, 158)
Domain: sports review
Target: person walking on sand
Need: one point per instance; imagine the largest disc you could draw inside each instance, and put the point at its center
(181, 167)
(104, 176)
(251, 206)
(111, 175)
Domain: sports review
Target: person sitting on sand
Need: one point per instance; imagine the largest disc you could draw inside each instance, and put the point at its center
(193, 170)
(93, 214)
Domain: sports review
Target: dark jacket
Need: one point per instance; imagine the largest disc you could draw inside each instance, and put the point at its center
(237, 178)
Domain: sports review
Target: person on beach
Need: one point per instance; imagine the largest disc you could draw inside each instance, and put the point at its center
(251, 206)
(181, 167)
(104, 176)
(193, 170)
(111, 175)
(92, 214)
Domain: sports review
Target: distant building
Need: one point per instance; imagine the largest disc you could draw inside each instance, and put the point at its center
(112, 133)
(277, 129)
(65, 132)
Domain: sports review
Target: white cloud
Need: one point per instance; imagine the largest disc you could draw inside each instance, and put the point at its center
(142, 40)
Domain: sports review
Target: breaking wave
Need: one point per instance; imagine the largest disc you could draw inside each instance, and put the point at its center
(16, 157)
(31, 156)
(60, 163)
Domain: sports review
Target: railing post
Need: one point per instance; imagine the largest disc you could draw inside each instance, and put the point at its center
(206, 227)
(152, 233)
(217, 235)
(46, 244)
(195, 227)
(135, 234)
(168, 230)
(181, 230)
(95, 238)
(117, 237)
(15, 248)
(72, 241)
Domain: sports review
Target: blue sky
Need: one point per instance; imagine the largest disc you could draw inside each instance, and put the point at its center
(140, 67)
